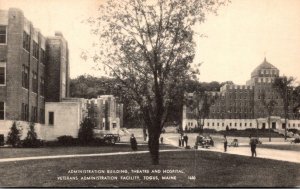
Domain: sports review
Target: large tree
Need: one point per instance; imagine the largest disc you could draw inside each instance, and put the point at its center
(148, 46)
(269, 105)
(283, 85)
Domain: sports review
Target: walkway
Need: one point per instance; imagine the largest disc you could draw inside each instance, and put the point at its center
(244, 150)
(80, 155)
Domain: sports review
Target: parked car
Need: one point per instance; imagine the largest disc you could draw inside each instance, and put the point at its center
(295, 140)
(106, 137)
(204, 142)
(234, 143)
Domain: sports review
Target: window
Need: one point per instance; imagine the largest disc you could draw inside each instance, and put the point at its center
(235, 124)
(250, 124)
(34, 82)
(25, 77)
(2, 75)
(33, 114)
(51, 118)
(2, 111)
(218, 124)
(42, 86)
(26, 41)
(2, 34)
(35, 52)
(213, 124)
(24, 112)
(230, 124)
(43, 56)
(42, 116)
(245, 124)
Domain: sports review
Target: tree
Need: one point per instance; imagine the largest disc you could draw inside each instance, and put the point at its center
(269, 106)
(31, 138)
(199, 105)
(148, 46)
(283, 85)
(86, 133)
(14, 134)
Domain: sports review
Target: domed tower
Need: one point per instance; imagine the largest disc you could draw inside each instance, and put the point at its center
(264, 73)
(262, 79)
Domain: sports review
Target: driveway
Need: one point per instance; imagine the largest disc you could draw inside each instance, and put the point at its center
(244, 149)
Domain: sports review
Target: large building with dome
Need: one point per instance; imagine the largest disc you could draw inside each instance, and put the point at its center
(241, 107)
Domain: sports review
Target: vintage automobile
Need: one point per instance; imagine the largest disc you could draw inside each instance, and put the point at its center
(204, 142)
(234, 143)
(106, 137)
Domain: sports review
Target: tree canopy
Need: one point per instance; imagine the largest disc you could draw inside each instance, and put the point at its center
(149, 48)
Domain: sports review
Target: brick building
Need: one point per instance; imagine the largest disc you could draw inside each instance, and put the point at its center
(241, 107)
(34, 69)
(107, 112)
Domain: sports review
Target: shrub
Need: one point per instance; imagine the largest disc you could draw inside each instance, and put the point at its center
(31, 140)
(66, 140)
(297, 140)
(86, 133)
(295, 131)
(14, 134)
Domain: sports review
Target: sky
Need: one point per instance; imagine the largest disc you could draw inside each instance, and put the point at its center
(238, 38)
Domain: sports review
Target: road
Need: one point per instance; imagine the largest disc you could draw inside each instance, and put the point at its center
(244, 149)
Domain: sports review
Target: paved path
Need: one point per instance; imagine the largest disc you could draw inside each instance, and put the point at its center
(244, 150)
(80, 155)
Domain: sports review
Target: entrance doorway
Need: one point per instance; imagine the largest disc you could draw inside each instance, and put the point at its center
(273, 125)
(263, 125)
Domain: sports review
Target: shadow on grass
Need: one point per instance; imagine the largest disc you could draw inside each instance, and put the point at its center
(211, 169)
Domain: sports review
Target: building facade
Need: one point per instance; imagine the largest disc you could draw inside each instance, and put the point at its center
(241, 107)
(106, 112)
(34, 69)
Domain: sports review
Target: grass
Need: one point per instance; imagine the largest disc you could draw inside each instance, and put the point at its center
(292, 147)
(47, 151)
(211, 169)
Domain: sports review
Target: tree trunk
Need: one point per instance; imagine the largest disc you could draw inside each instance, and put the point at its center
(285, 132)
(153, 144)
(256, 128)
(269, 120)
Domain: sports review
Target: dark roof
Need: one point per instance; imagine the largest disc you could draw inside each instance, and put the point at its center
(264, 65)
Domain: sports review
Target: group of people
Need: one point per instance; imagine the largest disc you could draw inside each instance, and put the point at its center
(183, 140)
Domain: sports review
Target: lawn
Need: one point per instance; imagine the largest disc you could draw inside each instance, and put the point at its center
(211, 169)
(46, 151)
(292, 147)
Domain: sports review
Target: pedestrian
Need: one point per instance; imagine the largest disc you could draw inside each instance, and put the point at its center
(133, 142)
(186, 138)
(182, 140)
(161, 140)
(225, 143)
(253, 142)
(179, 141)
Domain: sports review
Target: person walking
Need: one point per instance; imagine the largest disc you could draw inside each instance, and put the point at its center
(179, 141)
(182, 140)
(186, 138)
(133, 142)
(225, 143)
(253, 142)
